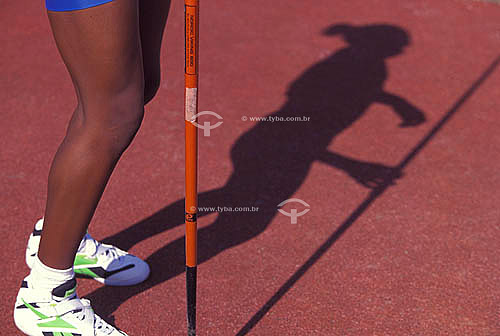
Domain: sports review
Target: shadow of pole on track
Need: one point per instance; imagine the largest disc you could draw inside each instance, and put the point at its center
(272, 160)
(364, 205)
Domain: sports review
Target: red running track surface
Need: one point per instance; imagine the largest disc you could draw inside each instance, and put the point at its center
(419, 257)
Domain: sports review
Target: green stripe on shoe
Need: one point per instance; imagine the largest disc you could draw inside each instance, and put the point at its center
(82, 259)
(70, 292)
(57, 323)
(37, 313)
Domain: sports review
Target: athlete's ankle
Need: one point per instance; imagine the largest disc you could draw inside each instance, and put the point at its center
(47, 278)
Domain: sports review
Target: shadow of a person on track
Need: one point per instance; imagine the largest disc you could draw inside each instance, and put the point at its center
(273, 159)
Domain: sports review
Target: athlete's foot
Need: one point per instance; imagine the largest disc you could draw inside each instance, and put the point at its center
(41, 312)
(104, 263)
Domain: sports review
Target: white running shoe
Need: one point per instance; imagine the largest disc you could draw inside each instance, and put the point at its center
(58, 313)
(105, 263)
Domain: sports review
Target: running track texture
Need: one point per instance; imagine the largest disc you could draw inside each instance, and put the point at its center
(414, 254)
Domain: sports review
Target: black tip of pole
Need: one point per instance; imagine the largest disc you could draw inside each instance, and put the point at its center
(191, 299)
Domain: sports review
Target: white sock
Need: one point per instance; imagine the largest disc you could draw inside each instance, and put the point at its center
(47, 278)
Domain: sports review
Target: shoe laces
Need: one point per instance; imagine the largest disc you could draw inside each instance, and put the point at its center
(102, 326)
(94, 248)
(99, 324)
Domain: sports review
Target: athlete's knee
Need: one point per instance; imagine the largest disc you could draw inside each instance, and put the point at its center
(110, 125)
(124, 119)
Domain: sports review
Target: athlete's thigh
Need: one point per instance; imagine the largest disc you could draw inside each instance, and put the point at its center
(100, 47)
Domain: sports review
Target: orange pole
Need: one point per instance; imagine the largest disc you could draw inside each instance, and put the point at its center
(191, 154)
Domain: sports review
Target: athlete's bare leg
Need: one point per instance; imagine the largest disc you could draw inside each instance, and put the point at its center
(101, 48)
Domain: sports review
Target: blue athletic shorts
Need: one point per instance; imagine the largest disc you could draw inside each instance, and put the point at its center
(69, 5)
